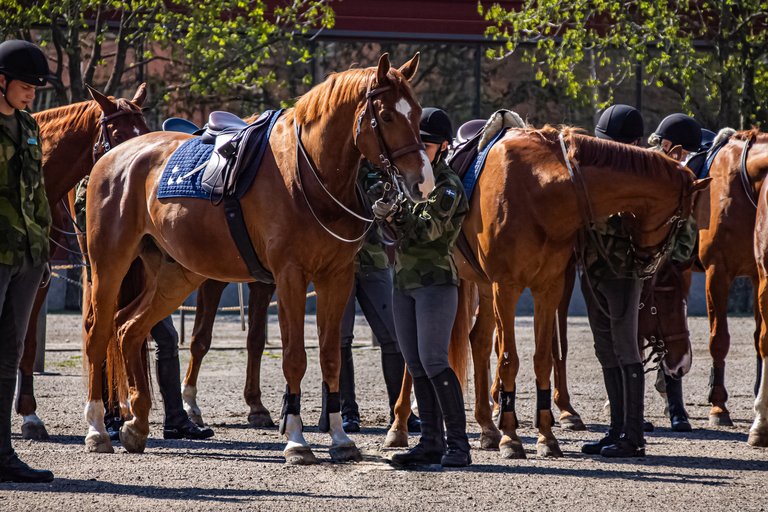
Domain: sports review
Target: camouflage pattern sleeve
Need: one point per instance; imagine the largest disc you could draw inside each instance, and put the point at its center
(685, 241)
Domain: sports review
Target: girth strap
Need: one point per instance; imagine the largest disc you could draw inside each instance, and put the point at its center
(237, 228)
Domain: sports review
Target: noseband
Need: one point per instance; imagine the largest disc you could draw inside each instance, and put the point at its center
(386, 157)
(104, 143)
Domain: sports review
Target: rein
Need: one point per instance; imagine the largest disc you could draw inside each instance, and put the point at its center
(745, 182)
(657, 342)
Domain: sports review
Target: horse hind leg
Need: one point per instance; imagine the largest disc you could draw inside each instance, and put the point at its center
(258, 306)
(208, 297)
(481, 341)
(397, 436)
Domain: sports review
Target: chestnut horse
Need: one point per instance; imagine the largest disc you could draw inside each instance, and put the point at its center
(73, 136)
(726, 228)
(360, 112)
(758, 433)
(528, 206)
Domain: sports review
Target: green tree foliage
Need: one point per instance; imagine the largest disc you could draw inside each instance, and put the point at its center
(713, 53)
(211, 46)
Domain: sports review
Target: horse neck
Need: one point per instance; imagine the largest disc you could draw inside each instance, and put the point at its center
(68, 150)
(652, 198)
(329, 143)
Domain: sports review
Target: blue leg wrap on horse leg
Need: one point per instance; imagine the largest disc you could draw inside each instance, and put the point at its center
(331, 403)
(291, 405)
(543, 403)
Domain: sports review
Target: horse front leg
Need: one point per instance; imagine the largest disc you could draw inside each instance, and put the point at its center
(332, 297)
(208, 298)
(290, 305)
(481, 342)
(718, 284)
(569, 418)
(32, 427)
(545, 305)
(505, 299)
(258, 305)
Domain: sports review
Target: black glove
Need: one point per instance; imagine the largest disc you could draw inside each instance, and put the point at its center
(46, 275)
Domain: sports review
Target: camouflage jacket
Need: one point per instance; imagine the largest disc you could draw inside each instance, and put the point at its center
(372, 254)
(25, 216)
(427, 233)
(622, 262)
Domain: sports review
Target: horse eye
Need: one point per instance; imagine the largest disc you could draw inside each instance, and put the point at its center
(386, 116)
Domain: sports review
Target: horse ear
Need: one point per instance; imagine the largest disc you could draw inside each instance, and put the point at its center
(381, 73)
(141, 95)
(676, 153)
(107, 105)
(409, 68)
(702, 184)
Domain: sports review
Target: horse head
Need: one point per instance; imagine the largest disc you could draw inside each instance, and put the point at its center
(121, 119)
(662, 320)
(387, 129)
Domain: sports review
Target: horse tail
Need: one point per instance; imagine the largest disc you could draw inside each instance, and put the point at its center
(458, 349)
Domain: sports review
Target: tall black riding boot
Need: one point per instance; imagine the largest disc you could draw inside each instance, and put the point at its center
(350, 414)
(12, 469)
(393, 367)
(431, 445)
(451, 399)
(677, 413)
(177, 424)
(614, 386)
(631, 443)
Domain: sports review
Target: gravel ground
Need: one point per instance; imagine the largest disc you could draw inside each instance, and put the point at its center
(242, 468)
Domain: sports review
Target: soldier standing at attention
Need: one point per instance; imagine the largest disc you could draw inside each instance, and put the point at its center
(426, 298)
(25, 219)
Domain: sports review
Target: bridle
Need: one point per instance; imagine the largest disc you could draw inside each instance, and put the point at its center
(386, 158)
(657, 342)
(653, 260)
(104, 143)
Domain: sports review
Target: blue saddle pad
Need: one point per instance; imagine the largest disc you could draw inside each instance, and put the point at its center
(473, 173)
(188, 156)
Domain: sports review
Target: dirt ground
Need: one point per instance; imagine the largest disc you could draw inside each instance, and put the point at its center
(242, 468)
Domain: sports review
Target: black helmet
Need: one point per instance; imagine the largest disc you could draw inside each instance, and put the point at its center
(707, 138)
(25, 61)
(620, 123)
(435, 126)
(680, 130)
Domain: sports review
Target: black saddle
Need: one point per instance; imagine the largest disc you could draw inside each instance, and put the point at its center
(466, 143)
(222, 123)
(178, 124)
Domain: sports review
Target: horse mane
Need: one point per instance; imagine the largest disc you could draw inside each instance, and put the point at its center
(77, 116)
(591, 151)
(752, 134)
(336, 90)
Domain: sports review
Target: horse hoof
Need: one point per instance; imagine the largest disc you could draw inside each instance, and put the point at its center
(196, 418)
(98, 443)
(722, 419)
(396, 439)
(345, 454)
(34, 431)
(513, 450)
(299, 456)
(758, 439)
(260, 420)
(132, 440)
(572, 422)
(550, 448)
(490, 440)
